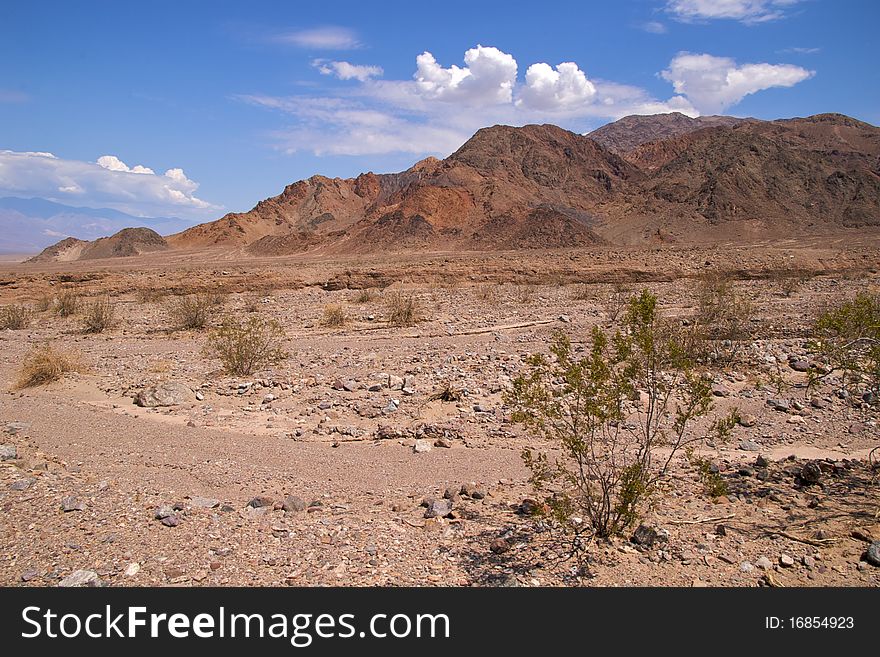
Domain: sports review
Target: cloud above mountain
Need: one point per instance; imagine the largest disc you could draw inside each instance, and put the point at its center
(443, 103)
(107, 182)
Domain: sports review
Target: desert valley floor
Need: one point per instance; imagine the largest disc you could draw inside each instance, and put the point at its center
(306, 473)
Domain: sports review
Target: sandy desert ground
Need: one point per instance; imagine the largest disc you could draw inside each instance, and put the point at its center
(306, 474)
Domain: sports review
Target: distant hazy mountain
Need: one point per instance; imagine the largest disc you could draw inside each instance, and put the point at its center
(28, 225)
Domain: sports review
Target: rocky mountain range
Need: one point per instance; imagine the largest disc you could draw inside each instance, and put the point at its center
(641, 179)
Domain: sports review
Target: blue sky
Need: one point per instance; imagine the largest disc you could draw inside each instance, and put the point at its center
(221, 104)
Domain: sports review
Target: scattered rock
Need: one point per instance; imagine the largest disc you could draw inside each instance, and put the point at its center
(260, 501)
(132, 569)
(439, 509)
(169, 393)
(421, 446)
(499, 546)
(719, 390)
(71, 503)
(15, 428)
(80, 578)
(746, 567)
(293, 504)
(763, 563)
(8, 452)
(22, 484)
(872, 554)
(204, 502)
(799, 365)
(779, 405)
(811, 473)
(529, 507)
(786, 561)
(644, 535)
(749, 446)
(747, 420)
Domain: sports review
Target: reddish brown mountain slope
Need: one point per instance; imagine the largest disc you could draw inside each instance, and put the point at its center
(630, 132)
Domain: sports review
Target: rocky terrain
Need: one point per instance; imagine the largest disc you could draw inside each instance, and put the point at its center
(127, 242)
(347, 464)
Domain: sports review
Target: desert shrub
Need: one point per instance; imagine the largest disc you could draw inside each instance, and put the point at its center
(486, 292)
(723, 318)
(610, 459)
(246, 347)
(99, 316)
(847, 336)
(15, 317)
(44, 303)
(616, 300)
(191, 311)
(582, 292)
(43, 365)
(67, 303)
(790, 280)
(364, 295)
(523, 294)
(713, 483)
(252, 303)
(150, 295)
(334, 315)
(403, 309)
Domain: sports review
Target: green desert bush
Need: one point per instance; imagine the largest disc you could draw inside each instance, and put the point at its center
(334, 315)
(611, 455)
(192, 311)
(248, 346)
(67, 303)
(15, 317)
(99, 316)
(847, 337)
(403, 309)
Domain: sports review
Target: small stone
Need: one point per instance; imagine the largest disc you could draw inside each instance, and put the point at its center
(499, 545)
(811, 473)
(786, 561)
(746, 567)
(747, 420)
(8, 452)
(719, 390)
(818, 403)
(809, 561)
(529, 507)
(169, 393)
(565, 319)
(132, 569)
(872, 554)
(204, 502)
(644, 535)
(22, 484)
(763, 563)
(749, 446)
(171, 521)
(293, 504)
(799, 365)
(421, 446)
(778, 405)
(451, 493)
(71, 503)
(761, 461)
(439, 509)
(28, 575)
(260, 501)
(80, 578)
(164, 511)
(15, 428)
(444, 443)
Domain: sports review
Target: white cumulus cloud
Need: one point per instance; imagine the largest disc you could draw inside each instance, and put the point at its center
(713, 84)
(745, 11)
(347, 71)
(488, 77)
(562, 88)
(108, 182)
